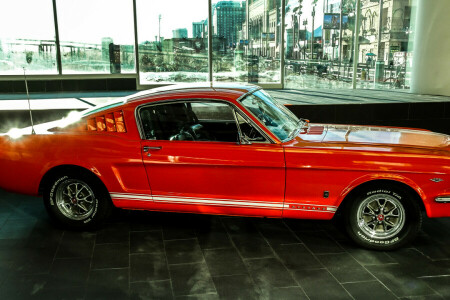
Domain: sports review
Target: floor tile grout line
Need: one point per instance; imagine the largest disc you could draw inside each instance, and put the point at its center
(431, 288)
(179, 239)
(167, 262)
(290, 272)
(129, 264)
(90, 265)
(367, 270)
(56, 252)
(204, 260)
(256, 287)
(320, 262)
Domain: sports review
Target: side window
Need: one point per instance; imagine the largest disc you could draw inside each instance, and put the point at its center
(189, 121)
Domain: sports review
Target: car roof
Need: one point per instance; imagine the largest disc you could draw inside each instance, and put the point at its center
(187, 88)
(191, 87)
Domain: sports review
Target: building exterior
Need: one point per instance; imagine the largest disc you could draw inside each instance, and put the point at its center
(105, 47)
(228, 17)
(200, 29)
(179, 33)
(264, 35)
(395, 22)
(395, 26)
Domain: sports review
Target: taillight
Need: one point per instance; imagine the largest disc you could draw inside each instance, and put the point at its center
(112, 122)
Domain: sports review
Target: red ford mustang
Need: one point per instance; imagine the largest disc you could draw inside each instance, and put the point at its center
(231, 150)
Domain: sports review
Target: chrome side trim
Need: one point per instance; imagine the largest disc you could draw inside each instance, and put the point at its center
(310, 207)
(442, 199)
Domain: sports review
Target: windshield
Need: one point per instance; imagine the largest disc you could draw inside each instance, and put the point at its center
(277, 118)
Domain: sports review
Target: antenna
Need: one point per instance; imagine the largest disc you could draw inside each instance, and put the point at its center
(29, 104)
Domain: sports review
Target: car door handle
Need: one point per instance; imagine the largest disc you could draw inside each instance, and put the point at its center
(147, 148)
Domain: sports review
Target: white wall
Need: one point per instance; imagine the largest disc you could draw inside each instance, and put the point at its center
(431, 48)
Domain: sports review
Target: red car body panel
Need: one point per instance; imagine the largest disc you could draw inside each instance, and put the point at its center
(306, 177)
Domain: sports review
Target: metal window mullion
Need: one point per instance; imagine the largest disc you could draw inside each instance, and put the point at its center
(238, 126)
(136, 46)
(356, 43)
(282, 29)
(210, 41)
(58, 46)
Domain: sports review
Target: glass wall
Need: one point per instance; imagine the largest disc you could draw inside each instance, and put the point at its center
(385, 54)
(320, 37)
(264, 41)
(96, 36)
(247, 41)
(229, 44)
(250, 41)
(27, 38)
(173, 40)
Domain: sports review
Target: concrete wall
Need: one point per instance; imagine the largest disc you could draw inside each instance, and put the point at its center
(431, 48)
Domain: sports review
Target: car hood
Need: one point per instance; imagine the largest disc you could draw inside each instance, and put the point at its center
(377, 135)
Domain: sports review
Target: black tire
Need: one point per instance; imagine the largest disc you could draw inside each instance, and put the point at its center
(77, 201)
(383, 217)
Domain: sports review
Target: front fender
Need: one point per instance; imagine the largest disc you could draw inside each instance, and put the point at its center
(380, 176)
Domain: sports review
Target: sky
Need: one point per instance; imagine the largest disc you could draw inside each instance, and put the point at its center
(90, 20)
(306, 13)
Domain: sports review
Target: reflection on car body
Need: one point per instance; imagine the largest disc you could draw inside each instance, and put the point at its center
(230, 150)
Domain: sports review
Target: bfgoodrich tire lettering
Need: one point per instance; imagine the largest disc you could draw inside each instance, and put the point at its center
(76, 201)
(383, 217)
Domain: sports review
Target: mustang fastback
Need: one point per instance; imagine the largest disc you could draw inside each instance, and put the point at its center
(230, 150)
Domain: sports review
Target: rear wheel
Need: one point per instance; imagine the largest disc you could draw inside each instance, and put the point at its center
(383, 217)
(76, 201)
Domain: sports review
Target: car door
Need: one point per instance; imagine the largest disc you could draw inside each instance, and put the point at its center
(195, 163)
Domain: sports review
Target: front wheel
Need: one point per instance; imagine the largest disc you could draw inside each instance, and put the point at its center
(383, 218)
(76, 202)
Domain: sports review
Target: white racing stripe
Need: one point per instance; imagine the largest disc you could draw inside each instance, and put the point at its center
(125, 196)
(223, 202)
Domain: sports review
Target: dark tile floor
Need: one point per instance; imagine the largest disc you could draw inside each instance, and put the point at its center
(147, 255)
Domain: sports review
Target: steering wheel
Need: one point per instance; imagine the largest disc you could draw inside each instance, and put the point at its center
(186, 134)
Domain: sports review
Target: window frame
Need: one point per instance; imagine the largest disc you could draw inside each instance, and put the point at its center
(235, 110)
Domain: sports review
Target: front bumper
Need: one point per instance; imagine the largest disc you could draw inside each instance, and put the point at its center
(438, 207)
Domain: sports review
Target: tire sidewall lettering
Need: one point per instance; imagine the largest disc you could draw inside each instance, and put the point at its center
(383, 242)
(91, 217)
(378, 242)
(52, 190)
(52, 200)
(383, 191)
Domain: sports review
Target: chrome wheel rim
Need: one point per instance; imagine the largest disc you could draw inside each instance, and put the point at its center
(75, 199)
(381, 216)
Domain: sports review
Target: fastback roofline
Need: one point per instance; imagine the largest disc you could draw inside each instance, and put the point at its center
(248, 88)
